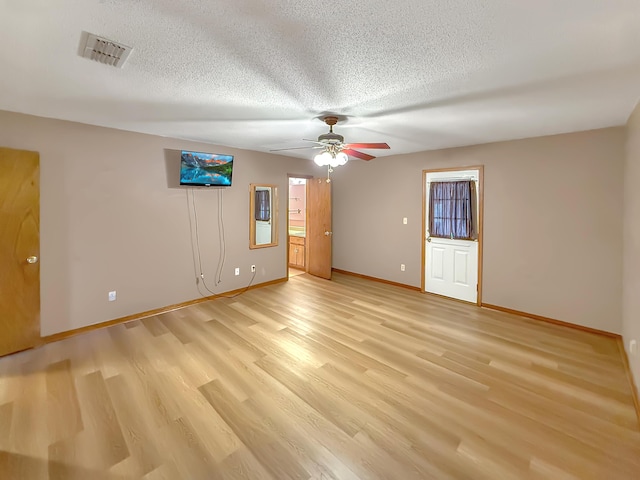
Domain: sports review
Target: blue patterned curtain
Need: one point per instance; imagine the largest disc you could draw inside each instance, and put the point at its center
(263, 206)
(451, 209)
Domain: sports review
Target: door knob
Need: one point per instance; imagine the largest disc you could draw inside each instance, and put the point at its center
(327, 233)
(32, 259)
(429, 239)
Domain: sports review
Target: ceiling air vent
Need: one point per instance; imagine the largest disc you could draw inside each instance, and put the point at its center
(103, 50)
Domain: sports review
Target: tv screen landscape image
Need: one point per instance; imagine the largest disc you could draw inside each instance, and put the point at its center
(205, 169)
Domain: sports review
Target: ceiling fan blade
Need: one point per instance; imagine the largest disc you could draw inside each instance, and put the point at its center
(293, 148)
(357, 154)
(313, 141)
(367, 145)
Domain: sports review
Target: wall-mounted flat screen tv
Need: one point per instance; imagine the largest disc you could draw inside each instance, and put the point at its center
(200, 169)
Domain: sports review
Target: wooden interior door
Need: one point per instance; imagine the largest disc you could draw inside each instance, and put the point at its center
(19, 250)
(319, 231)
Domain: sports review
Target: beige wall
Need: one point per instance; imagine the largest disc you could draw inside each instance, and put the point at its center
(112, 218)
(631, 255)
(552, 229)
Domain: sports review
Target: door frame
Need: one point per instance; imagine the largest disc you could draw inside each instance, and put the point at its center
(306, 221)
(480, 169)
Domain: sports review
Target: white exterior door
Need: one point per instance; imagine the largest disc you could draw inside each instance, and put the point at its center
(263, 232)
(452, 268)
(451, 265)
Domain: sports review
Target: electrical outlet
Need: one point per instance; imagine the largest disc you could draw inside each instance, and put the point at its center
(404, 221)
(237, 271)
(402, 267)
(112, 296)
(633, 347)
(253, 268)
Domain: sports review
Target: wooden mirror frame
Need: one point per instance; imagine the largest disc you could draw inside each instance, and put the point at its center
(254, 229)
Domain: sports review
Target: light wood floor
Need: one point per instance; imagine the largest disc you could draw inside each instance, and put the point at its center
(294, 272)
(311, 379)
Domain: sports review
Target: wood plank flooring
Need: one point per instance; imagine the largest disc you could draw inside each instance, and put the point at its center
(311, 379)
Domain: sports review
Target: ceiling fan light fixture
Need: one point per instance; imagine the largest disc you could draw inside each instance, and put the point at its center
(323, 159)
(341, 158)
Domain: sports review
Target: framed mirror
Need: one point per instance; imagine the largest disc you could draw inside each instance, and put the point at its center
(263, 215)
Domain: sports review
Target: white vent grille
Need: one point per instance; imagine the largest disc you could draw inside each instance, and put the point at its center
(104, 51)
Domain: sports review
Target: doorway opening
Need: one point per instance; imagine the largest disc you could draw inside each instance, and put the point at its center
(452, 233)
(297, 226)
(309, 234)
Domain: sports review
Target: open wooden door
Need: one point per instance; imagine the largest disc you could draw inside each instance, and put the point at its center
(19, 250)
(319, 228)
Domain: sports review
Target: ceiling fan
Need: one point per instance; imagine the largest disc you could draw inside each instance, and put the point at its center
(336, 152)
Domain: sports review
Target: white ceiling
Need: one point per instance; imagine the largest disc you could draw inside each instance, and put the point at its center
(418, 74)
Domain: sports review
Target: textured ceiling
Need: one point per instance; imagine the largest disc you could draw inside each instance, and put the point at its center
(418, 74)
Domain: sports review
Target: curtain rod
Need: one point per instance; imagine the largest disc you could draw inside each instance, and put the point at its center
(453, 179)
